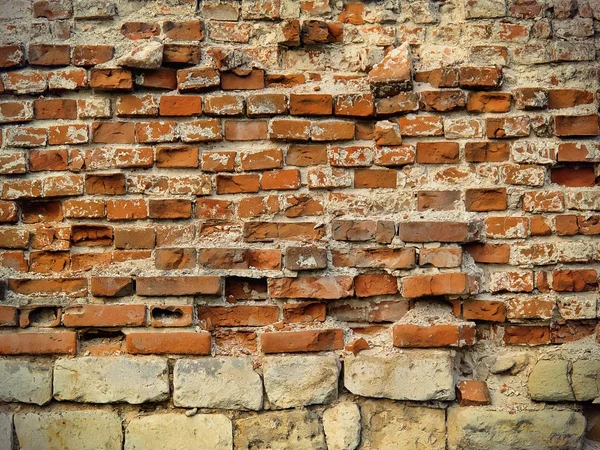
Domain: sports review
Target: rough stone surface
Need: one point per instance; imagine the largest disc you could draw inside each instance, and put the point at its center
(25, 381)
(69, 430)
(280, 430)
(585, 379)
(388, 425)
(549, 381)
(482, 429)
(341, 424)
(228, 383)
(6, 431)
(412, 375)
(145, 56)
(111, 379)
(179, 432)
(301, 380)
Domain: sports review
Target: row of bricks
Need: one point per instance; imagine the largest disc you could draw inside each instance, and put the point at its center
(53, 211)
(314, 340)
(476, 200)
(300, 155)
(178, 156)
(353, 12)
(31, 81)
(342, 230)
(280, 180)
(303, 258)
(256, 105)
(288, 129)
(514, 309)
(318, 287)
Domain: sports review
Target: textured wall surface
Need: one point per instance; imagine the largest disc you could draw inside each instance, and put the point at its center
(299, 224)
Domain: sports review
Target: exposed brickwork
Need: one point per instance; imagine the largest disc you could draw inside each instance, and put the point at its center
(226, 205)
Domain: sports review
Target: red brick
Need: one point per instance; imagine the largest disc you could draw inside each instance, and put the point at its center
(311, 104)
(302, 341)
(197, 79)
(408, 335)
(177, 157)
(8, 316)
(439, 231)
(486, 199)
(113, 132)
(473, 393)
(327, 287)
(243, 80)
(284, 179)
(245, 130)
(574, 280)
(11, 56)
(71, 287)
(568, 98)
(378, 178)
(507, 127)
(576, 125)
(130, 238)
(91, 55)
(180, 105)
(55, 109)
(190, 30)
(332, 130)
(574, 176)
(442, 100)
(169, 209)
(173, 342)
(111, 79)
(245, 315)
(181, 54)
(489, 253)
(104, 316)
(526, 335)
(421, 126)
(480, 77)
(369, 285)
(171, 316)
(439, 284)
(49, 55)
(111, 286)
(356, 105)
(437, 152)
(140, 30)
(162, 78)
(487, 310)
(488, 102)
(289, 129)
(63, 342)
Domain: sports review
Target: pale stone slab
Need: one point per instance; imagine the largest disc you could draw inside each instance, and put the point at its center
(301, 380)
(586, 379)
(482, 429)
(389, 425)
(411, 375)
(228, 383)
(25, 382)
(280, 430)
(179, 432)
(342, 426)
(69, 430)
(111, 379)
(549, 382)
(6, 431)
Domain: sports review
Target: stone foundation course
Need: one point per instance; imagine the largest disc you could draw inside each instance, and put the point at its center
(299, 224)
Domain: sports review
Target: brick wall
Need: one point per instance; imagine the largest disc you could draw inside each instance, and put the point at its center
(299, 224)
